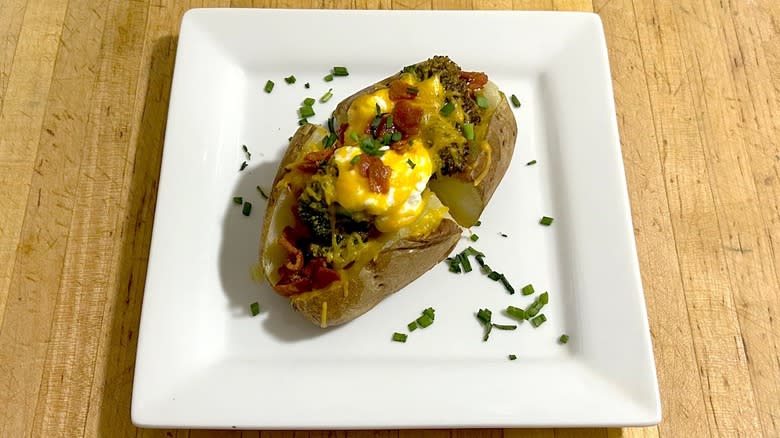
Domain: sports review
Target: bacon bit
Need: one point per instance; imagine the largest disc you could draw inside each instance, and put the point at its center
(400, 146)
(475, 79)
(382, 129)
(315, 275)
(293, 284)
(312, 160)
(407, 116)
(377, 173)
(295, 263)
(399, 90)
(318, 270)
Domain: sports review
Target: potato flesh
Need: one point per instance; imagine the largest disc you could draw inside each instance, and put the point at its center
(461, 197)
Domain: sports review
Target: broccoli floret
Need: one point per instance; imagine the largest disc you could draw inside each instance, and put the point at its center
(456, 87)
(313, 212)
(453, 158)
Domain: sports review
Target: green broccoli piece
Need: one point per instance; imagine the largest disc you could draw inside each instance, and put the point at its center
(453, 158)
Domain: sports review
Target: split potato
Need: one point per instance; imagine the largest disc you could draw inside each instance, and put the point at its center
(360, 209)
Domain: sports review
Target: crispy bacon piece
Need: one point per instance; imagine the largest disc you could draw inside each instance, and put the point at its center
(376, 171)
(475, 79)
(407, 116)
(312, 160)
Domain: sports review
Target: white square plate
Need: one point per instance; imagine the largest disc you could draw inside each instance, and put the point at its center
(204, 361)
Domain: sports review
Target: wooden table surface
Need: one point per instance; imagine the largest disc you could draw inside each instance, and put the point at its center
(84, 87)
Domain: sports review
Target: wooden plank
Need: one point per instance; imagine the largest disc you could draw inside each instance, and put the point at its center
(683, 407)
(11, 18)
(24, 310)
(725, 379)
(87, 271)
(529, 433)
(580, 433)
(720, 61)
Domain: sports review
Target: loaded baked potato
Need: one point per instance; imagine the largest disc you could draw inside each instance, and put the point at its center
(365, 206)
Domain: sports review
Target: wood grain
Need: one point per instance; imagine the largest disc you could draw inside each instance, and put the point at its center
(84, 88)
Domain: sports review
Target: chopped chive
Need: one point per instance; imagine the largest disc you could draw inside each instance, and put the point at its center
(468, 131)
(544, 298)
(386, 139)
(528, 289)
(495, 276)
(290, 79)
(412, 90)
(340, 71)
(307, 85)
(506, 284)
(563, 339)
(515, 101)
(246, 151)
(389, 121)
(530, 163)
(328, 78)
(447, 109)
(326, 97)
(254, 308)
(474, 237)
(484, 315)
(330, 140)
(478, 223)
(238, 200)
(247, 208)
(331, 128)
(378, 109)
(354, 160)
(396, 136)
(243, 166)
(424, 321)
(375, 123)
(505, 326)
(399, 337)
(488, 329)
(480, 260)
(410, 163)
(454, 264)
(539, 320)
(470, 251)
(535, 307)
(306, 111)
(301, 122)
(464, 261)
(512, 357)
(354, 136)
(431, 312)
(516, 313)
(309, 101)
(482, 101)
(269, 86)
(486, 269)
(412, 326)
(546, 221)
(503, 235)
(262, 192)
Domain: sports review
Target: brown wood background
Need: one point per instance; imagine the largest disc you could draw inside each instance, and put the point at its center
(83, 100)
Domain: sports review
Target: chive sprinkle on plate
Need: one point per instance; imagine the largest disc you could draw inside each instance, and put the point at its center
(399, 337)
(254, 308)
(269, 86)
(546, 221)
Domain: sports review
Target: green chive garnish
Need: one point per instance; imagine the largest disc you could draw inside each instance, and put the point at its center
(247, 208)
(539, 320)
(269, 86)
(307, 85)
(484, 315)
(243, 166)
(530, 163)
(515, 101)
(238, 200)
(481, 261)
(340, 71)
(246, 151)
(546, 220)
(399, 337)
(306, 111)
(563, 339)
(512, 357)
(254, 308)
(396, 136)
(328, 78)
(412, 326)
(326, 97)
(482, 102)
(470, 251)
(474, 237)
(503, 235)
(386, 139)
(516, 313)
(478, 223)
(290, 79)
(424, 321)
(309, 101)
(454, 264)
(468, 131)
(505, 326)
(330, 140)
(430, 311)
(262, 192)
(544, 298)
(301, 122)
(389, 121)
(464, 261)
(488, 328)
(378, 109)
(354, 136)
(528, 289)
(412, 90)
(495, 276)
(506, 284)
(447, 109)
(410, 163)
(354, 160)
